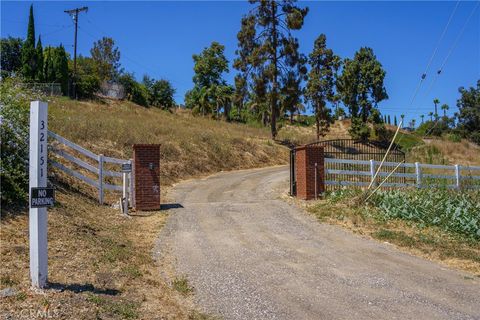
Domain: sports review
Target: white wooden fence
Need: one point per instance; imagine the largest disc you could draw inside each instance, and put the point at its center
(414, 174)
(98, 169)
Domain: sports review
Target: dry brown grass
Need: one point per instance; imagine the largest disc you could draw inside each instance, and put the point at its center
(465, 152)
(299, 135)
(190, 146)
(100, 265)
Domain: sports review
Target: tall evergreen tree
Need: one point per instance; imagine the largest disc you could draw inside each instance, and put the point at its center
(266, 46)
(321, 81)
(60, 65)
(48, 67)
(389, 122)
(395, 121)
(40, 69)
(29, 54)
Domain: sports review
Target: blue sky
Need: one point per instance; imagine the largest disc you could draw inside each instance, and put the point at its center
(160, 37)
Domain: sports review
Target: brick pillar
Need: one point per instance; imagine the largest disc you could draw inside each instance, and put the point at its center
(305, 159)
(146, 166)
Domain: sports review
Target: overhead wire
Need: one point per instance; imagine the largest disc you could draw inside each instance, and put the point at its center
(453, 47)
(424, 75)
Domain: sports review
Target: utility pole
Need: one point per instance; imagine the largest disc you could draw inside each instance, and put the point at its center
(74, 14)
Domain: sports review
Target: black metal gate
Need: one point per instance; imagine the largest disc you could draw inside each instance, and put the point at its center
(354, 150)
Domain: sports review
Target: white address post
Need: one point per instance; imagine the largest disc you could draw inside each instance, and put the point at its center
(38, 178)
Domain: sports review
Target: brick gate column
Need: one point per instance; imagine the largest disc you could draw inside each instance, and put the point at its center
(305, 159)
(146, 167)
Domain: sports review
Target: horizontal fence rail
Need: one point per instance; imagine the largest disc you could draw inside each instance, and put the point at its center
(361, 172)
(98, 168)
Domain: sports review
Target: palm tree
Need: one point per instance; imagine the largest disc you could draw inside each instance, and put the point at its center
(436, 102)
(413, 123)
(444, 107)
(402, 116)
(430, 114)
(422, 116)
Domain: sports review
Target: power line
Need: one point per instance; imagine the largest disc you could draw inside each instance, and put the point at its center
(453, 47)
(441, 38)
(424, 75)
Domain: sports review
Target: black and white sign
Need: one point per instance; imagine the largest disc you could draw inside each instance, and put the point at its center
(42, 197)
(126, 167)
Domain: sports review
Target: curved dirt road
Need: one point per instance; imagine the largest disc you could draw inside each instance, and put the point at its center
(250, 255)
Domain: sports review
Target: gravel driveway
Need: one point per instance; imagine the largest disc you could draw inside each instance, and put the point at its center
(250, 255)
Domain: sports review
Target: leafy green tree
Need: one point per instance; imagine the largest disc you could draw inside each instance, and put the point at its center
(161, 94)
(210, 65)
(321, 82)
(39, 48)
(266, 48)
(29, 54)
(11, 55)
(210, 89)
(134, 91)
(361, 84)
(107, 58)
(469, 113)
(14, 125)
(87, 81)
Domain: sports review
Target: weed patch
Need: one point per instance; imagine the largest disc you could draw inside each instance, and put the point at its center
(181, 285)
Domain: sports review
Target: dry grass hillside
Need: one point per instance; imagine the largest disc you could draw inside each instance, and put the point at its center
(190, 146)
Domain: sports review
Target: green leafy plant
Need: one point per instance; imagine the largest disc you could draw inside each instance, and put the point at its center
(14, 124)
(453, 211)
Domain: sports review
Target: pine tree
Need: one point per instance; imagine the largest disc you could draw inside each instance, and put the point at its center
(388, 120)
(321, 82)
(395, 121)
(48, 65)
(266, 48)
(29, 54)
(39, 71)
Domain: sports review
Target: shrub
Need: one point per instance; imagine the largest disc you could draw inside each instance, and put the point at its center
(134, 91)
(14, 125)
(453, 137)
(359, 129)
(87, 86)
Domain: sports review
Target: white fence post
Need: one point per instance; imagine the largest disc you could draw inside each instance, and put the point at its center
(37, 217)
(100, 178)
(418, 173)
(372, 172)
(130, 179)
(457, 176)
(124, 201)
